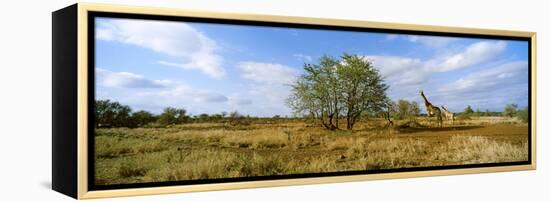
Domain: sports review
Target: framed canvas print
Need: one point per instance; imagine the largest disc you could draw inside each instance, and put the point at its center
(156, 100)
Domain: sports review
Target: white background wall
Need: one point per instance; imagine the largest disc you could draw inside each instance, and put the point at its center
(25, 100)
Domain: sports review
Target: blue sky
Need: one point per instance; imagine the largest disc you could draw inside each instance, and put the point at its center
(210, 68)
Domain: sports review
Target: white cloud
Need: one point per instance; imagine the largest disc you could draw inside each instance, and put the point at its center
(407, 75)
(267, 72)
(490, 88)
(270, 99)
(105, 33)
(487, 80)
(270, 89)
(302, 57)
(399, 70)
(212, 71)
(184, 93)
(390, 37)
(211, 97)
(171, 38)
(474, 54)
(127, 80)
(239, 101)
(427, 41)
(194, 100)
(431, 41)
(145, 94)
(410, 71)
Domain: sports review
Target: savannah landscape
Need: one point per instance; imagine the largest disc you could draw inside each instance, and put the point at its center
(343, 121)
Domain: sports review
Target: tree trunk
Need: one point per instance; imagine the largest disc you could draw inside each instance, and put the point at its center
(351, 122)
(351, 118)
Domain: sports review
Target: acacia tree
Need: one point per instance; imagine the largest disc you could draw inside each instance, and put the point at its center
(388, 111)
(172, 115)
(349, 87)
(317, 92)
(111, 114)
(362, 87)
(236, 119)
(510, 110)
(406, 109)
(403, 107)
(468, 110)
(523, 114)
(415, 109)
(141, 118)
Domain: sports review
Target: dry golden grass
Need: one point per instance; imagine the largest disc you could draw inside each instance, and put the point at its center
(217, 150)
(108, 147)
(478, 149)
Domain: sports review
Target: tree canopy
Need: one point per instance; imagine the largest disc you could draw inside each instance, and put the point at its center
(111, 114)
(510, 110)
(468, 110)
(172, 116)
(348, 87)
(406, 109)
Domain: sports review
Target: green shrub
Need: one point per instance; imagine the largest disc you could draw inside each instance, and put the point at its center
(523, 114)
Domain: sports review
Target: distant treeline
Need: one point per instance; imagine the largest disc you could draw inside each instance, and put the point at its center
(510, 110)
(113, 114)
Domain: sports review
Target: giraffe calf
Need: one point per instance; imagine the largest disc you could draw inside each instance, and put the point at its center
(448, 115)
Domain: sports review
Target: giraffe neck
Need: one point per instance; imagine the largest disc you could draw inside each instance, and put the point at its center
(426, 102)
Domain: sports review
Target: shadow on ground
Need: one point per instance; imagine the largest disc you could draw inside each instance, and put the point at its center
(406, 129)
(46, 184)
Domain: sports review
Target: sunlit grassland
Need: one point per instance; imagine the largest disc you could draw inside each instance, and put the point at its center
(292, 146)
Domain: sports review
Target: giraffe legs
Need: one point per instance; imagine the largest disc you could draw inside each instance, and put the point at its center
(440, 121)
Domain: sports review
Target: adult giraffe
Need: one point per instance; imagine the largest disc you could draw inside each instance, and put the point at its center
(432, 110)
